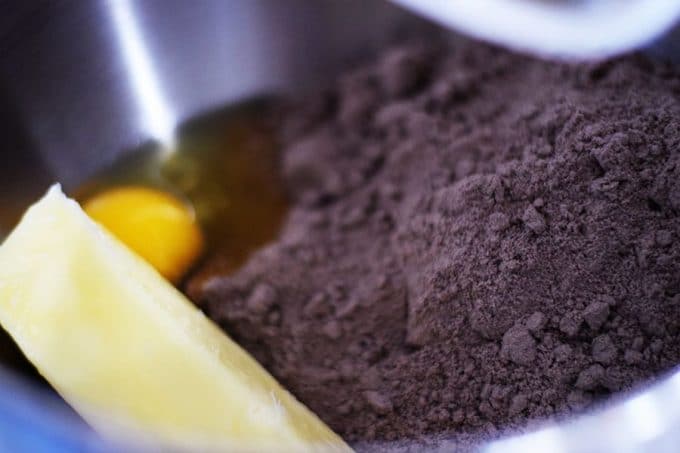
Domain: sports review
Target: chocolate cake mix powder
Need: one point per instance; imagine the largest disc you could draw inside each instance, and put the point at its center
(477, 240)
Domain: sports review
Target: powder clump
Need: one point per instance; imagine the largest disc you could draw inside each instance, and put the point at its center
(477, 239)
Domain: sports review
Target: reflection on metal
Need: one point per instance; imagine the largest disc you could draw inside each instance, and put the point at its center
(647, 421)
(643, 417)
(156, 115)
(545, 440)
(579, 29)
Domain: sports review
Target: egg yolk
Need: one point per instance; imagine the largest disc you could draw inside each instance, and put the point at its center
(156, 225)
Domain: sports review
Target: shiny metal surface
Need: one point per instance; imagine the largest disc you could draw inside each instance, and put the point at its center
(82, 81)
(572, 29)
(648, 421)
(65, 66)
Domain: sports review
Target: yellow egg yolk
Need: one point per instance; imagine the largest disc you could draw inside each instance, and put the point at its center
(156, 225)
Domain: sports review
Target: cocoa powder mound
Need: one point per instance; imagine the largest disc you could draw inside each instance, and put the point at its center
(477, 240)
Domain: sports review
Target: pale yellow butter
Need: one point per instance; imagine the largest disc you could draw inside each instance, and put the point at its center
(129, 352)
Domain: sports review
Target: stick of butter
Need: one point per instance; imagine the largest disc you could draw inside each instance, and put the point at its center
(129, 352)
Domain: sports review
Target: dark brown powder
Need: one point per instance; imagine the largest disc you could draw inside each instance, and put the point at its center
(478, 239)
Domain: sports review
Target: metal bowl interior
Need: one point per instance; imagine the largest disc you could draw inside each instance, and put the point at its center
(81, 82)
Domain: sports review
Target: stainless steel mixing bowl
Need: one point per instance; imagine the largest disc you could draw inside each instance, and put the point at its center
(82, 81)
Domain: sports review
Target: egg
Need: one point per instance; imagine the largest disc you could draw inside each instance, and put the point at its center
(158, 226)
